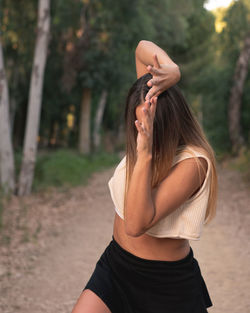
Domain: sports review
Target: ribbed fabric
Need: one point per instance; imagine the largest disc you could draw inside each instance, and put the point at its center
(186, 221)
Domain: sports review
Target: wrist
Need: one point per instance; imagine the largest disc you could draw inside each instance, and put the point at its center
(144, 157)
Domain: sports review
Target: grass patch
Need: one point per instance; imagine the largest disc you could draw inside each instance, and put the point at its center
(66, 168)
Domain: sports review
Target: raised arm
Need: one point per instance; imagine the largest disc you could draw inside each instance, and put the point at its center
(165, 74)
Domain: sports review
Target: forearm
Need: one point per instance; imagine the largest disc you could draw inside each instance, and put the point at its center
(139, 209)
(145, 51)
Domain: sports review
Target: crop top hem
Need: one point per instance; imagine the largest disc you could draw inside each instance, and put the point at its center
(171, 235)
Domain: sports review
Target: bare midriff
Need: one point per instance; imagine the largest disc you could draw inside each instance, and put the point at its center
(149, 247)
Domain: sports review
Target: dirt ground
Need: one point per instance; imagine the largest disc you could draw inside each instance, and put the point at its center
(51, 242)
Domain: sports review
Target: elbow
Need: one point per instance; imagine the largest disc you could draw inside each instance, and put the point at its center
(133, 234)
(133, 231)
(140, 44)
(143, 42)
(135, 227)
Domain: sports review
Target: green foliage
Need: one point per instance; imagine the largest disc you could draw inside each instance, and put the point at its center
(215, 84)
(238, 23)
(92, 44)
(208, 69)
(229, 44)
(65, 168)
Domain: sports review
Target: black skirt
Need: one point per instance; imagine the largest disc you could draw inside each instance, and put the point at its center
(130, 284)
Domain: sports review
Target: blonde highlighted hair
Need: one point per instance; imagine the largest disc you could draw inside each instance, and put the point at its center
(175, 128)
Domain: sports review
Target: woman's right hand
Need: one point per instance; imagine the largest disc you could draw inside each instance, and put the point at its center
(164, 76)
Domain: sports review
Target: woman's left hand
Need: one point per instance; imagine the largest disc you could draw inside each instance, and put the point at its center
(164, 76)
(145, 128)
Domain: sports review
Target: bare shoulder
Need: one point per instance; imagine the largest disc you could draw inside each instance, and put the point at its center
(190, 164)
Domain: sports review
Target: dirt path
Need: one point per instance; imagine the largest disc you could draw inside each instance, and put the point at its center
(69, 231)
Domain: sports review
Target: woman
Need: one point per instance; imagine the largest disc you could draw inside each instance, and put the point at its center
(164, 190)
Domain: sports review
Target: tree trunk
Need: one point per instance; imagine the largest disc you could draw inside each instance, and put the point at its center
(84, 128)
(35, 99)
(98, 118)
(234, 107)
(6, 150)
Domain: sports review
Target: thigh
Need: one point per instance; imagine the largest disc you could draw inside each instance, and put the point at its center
(89, 302)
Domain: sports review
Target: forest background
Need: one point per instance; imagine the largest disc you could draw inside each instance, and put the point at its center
(66, 67)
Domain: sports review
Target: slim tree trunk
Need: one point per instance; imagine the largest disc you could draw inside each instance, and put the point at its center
(6, 150)
(35, 99)
(98, 118)
(84, 127)
(234, 107)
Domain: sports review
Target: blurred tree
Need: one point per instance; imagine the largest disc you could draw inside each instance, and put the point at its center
(235, 100)
(18, 43)
(35, 99)
(195, 57)
(98, 119)
(209, 79)
(7, 180)
(236, 38)
(229, 46)
(92, 49)
(102, 54)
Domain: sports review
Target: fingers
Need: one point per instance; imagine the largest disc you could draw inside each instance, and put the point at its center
(154, 91)
(148, 112)
(153, 106)
(156, 61)
(147, 104)
(146, 119)
(146, 126)
(139, 126)
(149, 83)
(150, 94)
(153, 81)
(153, 70)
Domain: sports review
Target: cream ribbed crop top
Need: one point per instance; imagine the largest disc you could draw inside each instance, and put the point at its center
(186, 221)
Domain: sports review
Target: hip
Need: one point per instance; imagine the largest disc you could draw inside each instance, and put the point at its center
(143, 285)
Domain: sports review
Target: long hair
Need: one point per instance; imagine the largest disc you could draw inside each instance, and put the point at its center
(174, 127)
